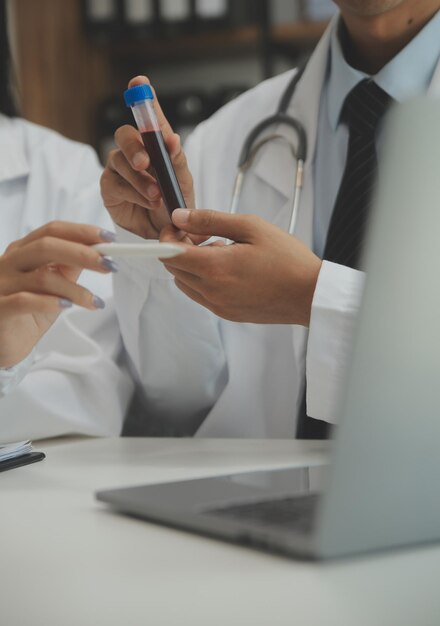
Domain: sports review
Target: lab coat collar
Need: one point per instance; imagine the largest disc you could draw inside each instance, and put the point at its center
(14, 162)
(402, 77)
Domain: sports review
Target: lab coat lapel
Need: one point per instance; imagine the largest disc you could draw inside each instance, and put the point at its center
(275, 167)
(13, 162)
(434, 87)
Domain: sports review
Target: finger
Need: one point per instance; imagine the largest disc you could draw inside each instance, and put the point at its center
(191, 293)
(129, 141)
(163, 122)
(185, 278)
(69, 231)
(130, 163)
(25, 303)
(242, 228)
(202, 261)
(180, 164)
(48, 282)
(172, 141)
(131, 186)
(170, 234)
(49, 250)
(70, 273)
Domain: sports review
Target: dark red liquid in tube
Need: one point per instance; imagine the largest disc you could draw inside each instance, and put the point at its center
(163, 170)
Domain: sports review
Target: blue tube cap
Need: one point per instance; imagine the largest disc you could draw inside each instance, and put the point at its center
(137, 94)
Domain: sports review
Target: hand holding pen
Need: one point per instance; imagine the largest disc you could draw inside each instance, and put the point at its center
(38, 275)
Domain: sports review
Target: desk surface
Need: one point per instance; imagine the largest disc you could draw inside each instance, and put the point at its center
(67, 560)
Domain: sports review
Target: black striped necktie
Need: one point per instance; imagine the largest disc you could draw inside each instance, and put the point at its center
(363, 109)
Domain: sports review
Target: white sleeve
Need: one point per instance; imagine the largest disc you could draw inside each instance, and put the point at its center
(76, 381)
(76, 384)
(335, 309)
(174, 344)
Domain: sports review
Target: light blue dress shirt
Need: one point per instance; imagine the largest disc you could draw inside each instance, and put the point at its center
(406, 75)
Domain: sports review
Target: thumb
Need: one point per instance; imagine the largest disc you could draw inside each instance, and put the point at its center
(240, 228)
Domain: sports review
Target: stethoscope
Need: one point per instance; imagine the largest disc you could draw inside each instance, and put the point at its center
(252, 146)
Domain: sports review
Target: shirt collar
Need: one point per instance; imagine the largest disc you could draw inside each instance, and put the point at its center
(14, 162)
(403, 77)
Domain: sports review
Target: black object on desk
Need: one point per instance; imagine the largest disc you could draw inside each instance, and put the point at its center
(23, 459)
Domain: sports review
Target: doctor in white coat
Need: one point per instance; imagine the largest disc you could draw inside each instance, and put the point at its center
(223, 340)
(71, 381)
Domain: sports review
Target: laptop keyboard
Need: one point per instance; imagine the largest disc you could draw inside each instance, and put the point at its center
(296, 512)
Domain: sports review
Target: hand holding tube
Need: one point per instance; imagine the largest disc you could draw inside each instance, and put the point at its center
(129, 186)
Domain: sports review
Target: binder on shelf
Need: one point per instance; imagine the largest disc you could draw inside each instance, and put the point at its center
(101, 11)
(210, 14)
(282, 12)
(175, 16)
(102, 18)
(139, 17)
(318, 9)
(243, 13)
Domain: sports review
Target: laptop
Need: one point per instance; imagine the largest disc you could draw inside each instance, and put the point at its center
(382, 482)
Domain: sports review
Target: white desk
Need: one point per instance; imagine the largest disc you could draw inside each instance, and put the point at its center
(66, 560)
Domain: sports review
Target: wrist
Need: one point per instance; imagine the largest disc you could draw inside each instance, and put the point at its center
(9, 363)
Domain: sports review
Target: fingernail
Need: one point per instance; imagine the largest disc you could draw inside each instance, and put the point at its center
(107, 235)
(98, 303)
(153, 191)
(140, 159)
(178, 145)
(109, 264)
(181, 216)
(64, 303)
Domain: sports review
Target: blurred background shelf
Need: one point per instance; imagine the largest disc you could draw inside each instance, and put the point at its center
(301, 33)
(74, 57)
(215, 44)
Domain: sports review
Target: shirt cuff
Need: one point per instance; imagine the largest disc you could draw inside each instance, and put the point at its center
(335, 309)
(10, 377)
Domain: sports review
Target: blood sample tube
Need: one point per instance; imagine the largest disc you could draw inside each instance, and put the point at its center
(140, 99)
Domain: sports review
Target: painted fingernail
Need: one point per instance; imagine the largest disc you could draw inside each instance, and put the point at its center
(181, 216)
(140, 159)
(98, 303)
(64, 303)
(109, 264)
(107, 235)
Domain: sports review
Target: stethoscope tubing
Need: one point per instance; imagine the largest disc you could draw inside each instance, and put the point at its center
(251, 147)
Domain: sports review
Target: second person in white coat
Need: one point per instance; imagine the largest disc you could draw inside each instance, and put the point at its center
(61, 354)
(221, 345)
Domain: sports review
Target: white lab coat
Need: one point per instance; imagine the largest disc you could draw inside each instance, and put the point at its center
(75, 384)
(243, 379)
